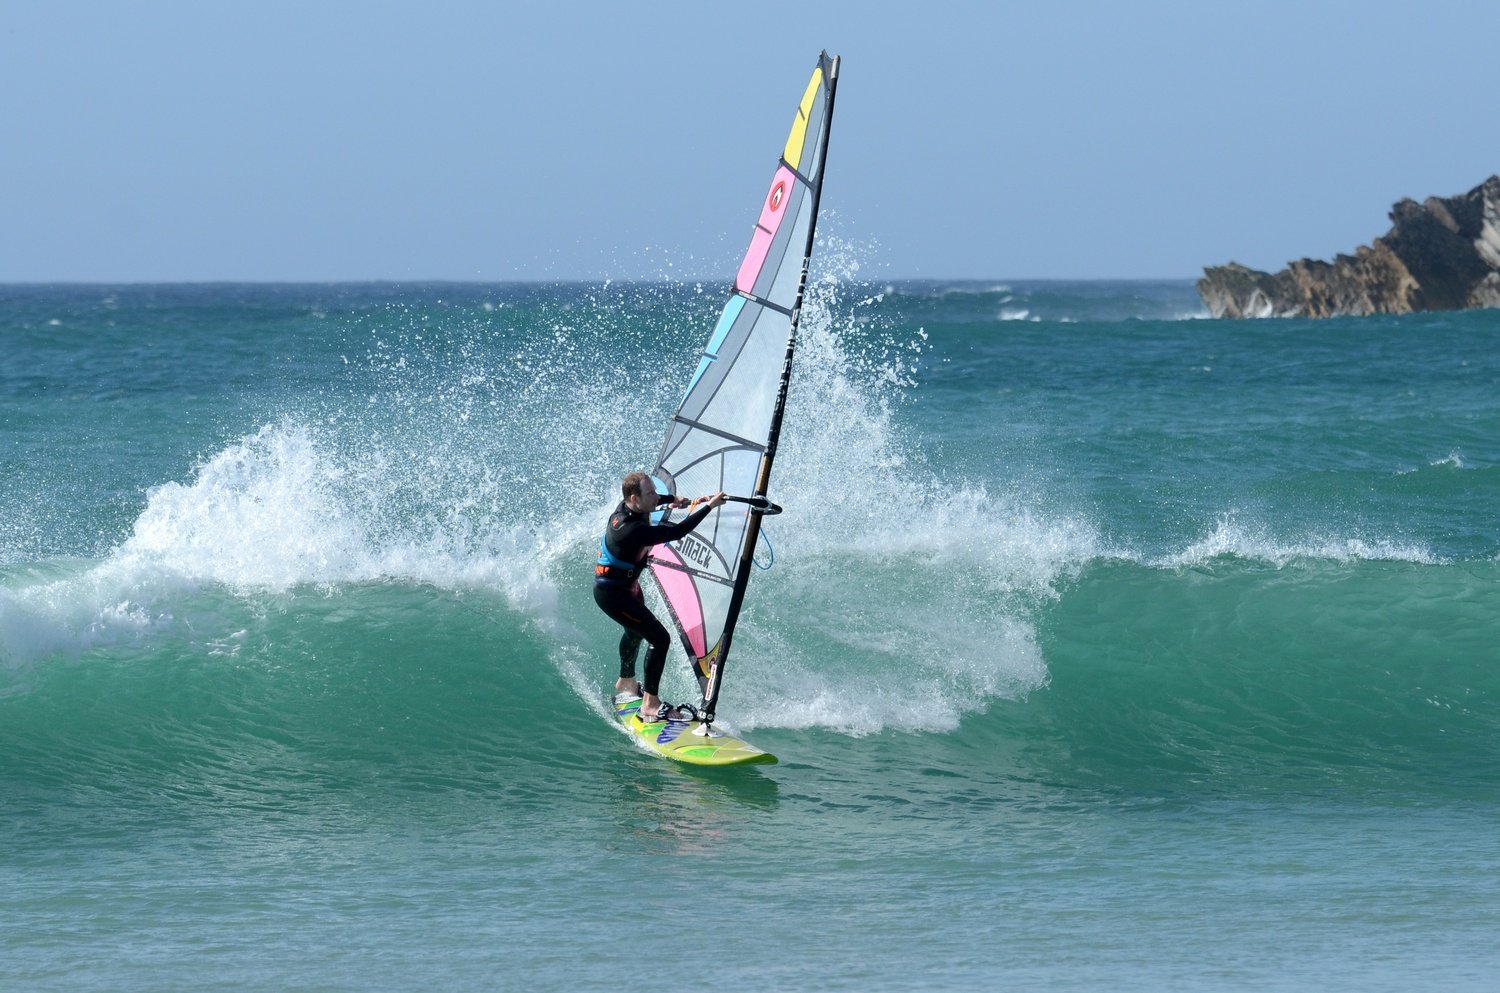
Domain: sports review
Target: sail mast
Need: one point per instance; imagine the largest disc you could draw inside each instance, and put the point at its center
(763, 477)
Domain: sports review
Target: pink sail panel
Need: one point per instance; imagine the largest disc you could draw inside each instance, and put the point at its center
(771, 213)
(682, 596)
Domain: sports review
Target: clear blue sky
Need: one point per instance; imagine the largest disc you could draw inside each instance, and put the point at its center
(469, 140)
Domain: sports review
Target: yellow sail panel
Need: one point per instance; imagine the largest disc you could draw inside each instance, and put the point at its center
(794, 141)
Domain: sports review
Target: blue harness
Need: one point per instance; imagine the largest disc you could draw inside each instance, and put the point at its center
(611, 569)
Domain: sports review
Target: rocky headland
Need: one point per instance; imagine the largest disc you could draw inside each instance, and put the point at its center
(1441, 254)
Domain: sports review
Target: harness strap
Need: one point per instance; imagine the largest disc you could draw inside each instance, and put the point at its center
(610, 568)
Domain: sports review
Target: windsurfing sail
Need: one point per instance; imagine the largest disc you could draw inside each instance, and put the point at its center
(724, 434)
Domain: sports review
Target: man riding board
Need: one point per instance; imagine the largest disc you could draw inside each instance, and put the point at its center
(623, 551)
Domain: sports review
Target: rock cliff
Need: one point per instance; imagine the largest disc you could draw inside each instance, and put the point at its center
(1441, 254)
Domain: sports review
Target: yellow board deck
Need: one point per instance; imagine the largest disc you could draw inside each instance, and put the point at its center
(679, 740)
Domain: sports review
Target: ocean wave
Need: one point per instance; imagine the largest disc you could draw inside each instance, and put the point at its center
(1044, 301)
(1371, 673)
(1157, 683)
(940, 289)
(1233, 539)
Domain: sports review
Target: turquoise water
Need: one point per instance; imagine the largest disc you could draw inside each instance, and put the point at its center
(1106, 647)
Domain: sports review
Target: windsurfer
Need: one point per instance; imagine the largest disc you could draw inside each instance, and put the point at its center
(623, 551)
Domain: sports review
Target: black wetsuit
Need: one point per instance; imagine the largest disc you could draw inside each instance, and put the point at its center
(622, 555)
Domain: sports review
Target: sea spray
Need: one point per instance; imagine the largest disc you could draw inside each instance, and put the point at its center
(899, 599)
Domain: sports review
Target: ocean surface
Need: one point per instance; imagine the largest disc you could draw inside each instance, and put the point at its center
(1106, 647)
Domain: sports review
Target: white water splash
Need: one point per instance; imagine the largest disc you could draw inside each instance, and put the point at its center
(1233, 538)
(463, 454)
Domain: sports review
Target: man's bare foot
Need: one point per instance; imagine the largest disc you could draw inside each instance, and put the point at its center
(651, 706)
(627, 687)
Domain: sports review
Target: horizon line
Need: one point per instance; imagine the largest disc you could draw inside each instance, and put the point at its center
(572, 280)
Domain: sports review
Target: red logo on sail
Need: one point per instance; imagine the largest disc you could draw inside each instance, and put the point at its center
(778, 193)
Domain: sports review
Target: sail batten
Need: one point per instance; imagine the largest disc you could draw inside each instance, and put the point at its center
(740, 442)
(723, 435)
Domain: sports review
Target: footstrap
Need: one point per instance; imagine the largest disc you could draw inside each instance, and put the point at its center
(663, 713)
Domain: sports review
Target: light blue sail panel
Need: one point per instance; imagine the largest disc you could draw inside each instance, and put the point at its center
(721, 331)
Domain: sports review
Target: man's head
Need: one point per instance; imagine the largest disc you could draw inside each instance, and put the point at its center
(639, 492)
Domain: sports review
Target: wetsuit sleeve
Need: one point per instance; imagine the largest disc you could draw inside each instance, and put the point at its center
(656, 534)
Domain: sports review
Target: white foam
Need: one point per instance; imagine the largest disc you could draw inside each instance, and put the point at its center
(921, 668)
(69, 608)
(1231, 538)
(282, 508)
(264, 512)
(274, 511)
(985, 290)
(1018, 314)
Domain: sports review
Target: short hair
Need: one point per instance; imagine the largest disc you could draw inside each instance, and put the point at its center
(631, 485)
